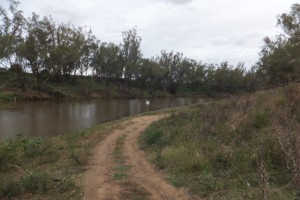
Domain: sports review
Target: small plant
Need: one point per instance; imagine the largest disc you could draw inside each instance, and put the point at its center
(37, 181)
(9, 188)
(260, 119)
(153, 136)
(8, 151)
(33, 147)
(207, 182)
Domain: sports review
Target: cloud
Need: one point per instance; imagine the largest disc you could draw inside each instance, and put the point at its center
(177, 1)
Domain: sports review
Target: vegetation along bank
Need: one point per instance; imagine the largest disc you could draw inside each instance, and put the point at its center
(241, 148)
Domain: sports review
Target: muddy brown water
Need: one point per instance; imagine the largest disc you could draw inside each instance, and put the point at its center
(48, 118)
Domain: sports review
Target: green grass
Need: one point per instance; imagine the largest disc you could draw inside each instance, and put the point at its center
(120, 170)
(216, 150)
(47, 168)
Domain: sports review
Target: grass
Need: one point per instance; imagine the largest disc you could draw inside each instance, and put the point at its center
(121, 169)
(241, 148)
(47, 168)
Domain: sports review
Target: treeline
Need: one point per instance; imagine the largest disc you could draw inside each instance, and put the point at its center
(59, 52)
(53, 52)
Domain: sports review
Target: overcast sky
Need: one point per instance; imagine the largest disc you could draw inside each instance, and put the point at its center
(212, 31)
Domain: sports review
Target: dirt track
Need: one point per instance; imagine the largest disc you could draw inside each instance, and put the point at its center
(142, 178)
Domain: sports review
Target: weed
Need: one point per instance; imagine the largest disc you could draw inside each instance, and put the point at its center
(154, 136)
(7, 155)
(37, 181)
(33, 147)
(260, 119)
(207, 182)
(9, 188)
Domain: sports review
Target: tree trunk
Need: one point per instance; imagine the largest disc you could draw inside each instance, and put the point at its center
(107, 87)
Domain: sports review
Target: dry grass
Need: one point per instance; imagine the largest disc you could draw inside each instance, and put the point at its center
(245, 147)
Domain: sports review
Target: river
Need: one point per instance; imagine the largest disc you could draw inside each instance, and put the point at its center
(48, 118)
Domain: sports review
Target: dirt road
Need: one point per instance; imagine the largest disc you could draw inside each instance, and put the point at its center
(136, 178)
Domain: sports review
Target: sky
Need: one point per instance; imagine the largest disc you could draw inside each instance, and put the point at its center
(210, 31)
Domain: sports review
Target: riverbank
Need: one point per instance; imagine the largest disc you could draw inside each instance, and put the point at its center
(48, 168)
(242, 148)
(74, 87)
(52, 167)
(82, 88)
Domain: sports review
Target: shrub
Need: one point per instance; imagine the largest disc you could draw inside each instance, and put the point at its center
(37, 182)
(33, 147)
(7, 154)
(153, 136)
(260, 119)
(9, 188)
(207, 182)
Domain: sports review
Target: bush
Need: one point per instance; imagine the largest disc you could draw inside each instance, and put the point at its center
(9, 188)
(207, 182)
(153, 136)
(36, 181)
(7, 154)
(260, 119)
(33, 147)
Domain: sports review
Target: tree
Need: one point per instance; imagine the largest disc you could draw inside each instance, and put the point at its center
(11, 40)
(64, 51)
(87, 51)
(106, 63)
(148, 75)
(169, 64)
(131, 54)
(37, 41)
(11, 32)
(280, 59)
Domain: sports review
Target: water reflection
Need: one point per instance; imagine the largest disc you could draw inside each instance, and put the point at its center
(48, 118)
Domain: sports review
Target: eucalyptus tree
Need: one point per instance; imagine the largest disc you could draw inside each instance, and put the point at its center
(197, 77)
(280, 59)
(11, 33)
(87, 50)
(12, 29)
(186, 69)
(148, 75)
(131, 54)
(169, 63)
(64, 51)
(37, 43)
(106, 63)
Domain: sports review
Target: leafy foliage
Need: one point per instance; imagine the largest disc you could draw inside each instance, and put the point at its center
(279, 59)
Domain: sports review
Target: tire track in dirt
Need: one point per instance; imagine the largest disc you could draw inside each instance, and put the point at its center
(142, 174)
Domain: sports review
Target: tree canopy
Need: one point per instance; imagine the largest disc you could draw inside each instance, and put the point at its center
(279, 61)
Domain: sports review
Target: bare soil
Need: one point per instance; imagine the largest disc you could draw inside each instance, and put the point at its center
(143, 180)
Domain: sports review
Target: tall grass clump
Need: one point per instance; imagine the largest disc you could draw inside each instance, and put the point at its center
(245, 147)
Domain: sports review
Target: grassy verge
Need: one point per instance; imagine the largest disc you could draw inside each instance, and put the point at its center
(121, 169)
(51, 168)
(241, 148)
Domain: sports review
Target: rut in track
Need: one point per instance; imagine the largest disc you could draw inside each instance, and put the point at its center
(142, 180)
